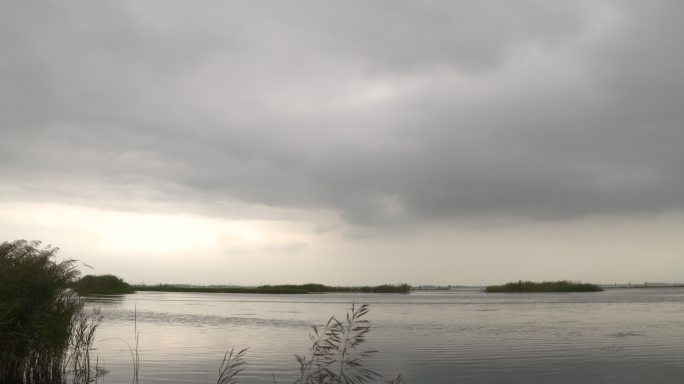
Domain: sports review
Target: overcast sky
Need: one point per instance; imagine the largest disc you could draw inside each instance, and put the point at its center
(347, 142)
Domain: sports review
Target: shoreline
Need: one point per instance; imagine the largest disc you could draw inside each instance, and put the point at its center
(277, 289)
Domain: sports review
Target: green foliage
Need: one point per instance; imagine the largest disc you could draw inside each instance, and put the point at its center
(103, 284)
(546, 286)
(278, 289)
(44, 334)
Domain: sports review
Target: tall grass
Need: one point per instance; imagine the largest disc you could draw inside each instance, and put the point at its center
(335, 356)
(76, 367)
(233, 363)
(135, 355)
(45, 335)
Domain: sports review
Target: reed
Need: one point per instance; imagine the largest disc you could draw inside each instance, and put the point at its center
(336, 354)
(232, 364)
(546, 286)
(45, 335)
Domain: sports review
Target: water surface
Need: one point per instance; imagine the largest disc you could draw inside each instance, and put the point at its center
(459, 336)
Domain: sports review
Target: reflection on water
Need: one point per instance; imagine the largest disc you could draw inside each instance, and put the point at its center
(104, 299)
(616, 336)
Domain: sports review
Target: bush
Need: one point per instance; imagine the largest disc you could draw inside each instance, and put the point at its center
(103, 284)
(45, 336)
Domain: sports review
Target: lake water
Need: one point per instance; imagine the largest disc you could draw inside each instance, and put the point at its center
(459, 336)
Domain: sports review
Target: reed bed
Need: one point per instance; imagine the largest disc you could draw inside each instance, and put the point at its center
(45, 334)
(101, 285)
(546, 286)
(278, 289)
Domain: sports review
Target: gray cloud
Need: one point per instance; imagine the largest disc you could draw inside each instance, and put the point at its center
(400, 114)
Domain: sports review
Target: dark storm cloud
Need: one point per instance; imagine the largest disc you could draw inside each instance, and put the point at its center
(386, 114)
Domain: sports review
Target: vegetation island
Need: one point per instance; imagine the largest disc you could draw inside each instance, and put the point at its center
(546, 286)
(113, 285)
(101, 285)
(278, 289)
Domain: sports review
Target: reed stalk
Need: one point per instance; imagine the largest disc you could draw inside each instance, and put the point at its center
(45, 334)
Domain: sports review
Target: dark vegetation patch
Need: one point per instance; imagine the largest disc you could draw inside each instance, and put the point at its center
(102, 284)
(278, 289)
(546, 286)
(45, 335)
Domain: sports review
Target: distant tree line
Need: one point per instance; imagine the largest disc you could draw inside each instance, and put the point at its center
(102, 284)
(546, 286)
(278, 289)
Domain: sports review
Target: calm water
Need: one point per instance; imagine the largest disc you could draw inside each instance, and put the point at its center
(460, 336)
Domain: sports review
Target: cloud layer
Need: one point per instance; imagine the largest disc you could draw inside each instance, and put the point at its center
(385, 115)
